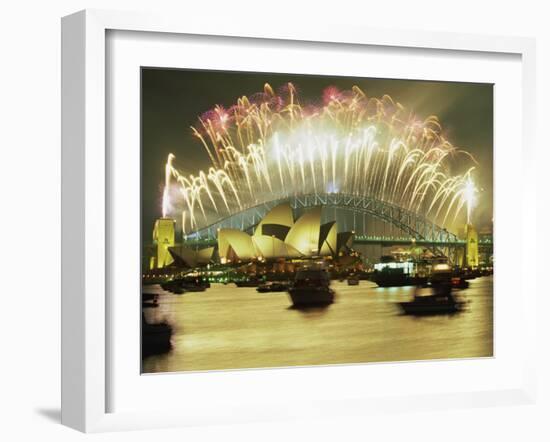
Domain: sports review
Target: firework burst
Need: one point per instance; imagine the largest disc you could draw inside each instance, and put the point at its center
(270, 146)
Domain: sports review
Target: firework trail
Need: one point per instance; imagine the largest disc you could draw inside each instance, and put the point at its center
(269, 146)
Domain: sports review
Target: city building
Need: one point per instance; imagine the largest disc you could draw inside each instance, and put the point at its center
(485, 245)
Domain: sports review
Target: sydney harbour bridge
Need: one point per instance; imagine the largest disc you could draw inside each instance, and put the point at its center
(406, 227)
(374, 167)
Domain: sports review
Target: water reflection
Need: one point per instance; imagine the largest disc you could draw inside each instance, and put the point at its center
(311, 310)
(227, 327)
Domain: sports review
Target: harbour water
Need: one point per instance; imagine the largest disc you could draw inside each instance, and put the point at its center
(226, 327)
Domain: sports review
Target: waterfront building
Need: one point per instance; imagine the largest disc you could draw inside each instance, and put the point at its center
(278, 236)
(185, 256)
(485, 245)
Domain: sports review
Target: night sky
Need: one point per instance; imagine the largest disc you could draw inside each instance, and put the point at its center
(172, 99)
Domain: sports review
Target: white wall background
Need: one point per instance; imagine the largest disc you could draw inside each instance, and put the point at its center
(30, 208)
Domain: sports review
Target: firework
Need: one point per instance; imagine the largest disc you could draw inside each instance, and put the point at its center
(168, 171)
(270, 146)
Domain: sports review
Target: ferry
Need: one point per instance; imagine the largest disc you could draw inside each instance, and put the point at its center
(311, 287)
(432, 305)
(403, 268)
(190, 282)
(437, 300)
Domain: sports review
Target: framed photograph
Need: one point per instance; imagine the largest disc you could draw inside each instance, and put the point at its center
(286, 227)
(277, 223)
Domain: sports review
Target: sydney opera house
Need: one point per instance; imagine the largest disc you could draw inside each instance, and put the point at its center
(278, 236)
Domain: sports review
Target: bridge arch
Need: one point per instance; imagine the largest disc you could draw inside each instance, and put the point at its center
(413, 224)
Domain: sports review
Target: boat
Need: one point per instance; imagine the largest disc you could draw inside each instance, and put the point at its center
(173, 286)
(432, 305)
(471, 274)
(353, 280)
(396, 277)
(272, 286)
(248, 282)
(149, 300)
(440, 301)
(311, 287)
(187, 283)
(194, 283)
(459, 282)
(155, 338)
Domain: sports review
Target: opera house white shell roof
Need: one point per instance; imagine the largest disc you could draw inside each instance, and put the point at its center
(186, 257)
(279, 236)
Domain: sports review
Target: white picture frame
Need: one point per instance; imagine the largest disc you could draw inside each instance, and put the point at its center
(85, 234)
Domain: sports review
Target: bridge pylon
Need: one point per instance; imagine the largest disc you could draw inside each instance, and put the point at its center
(164, 236)
(471, 249)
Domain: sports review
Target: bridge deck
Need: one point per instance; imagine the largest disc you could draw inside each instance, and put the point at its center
(413, 225)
